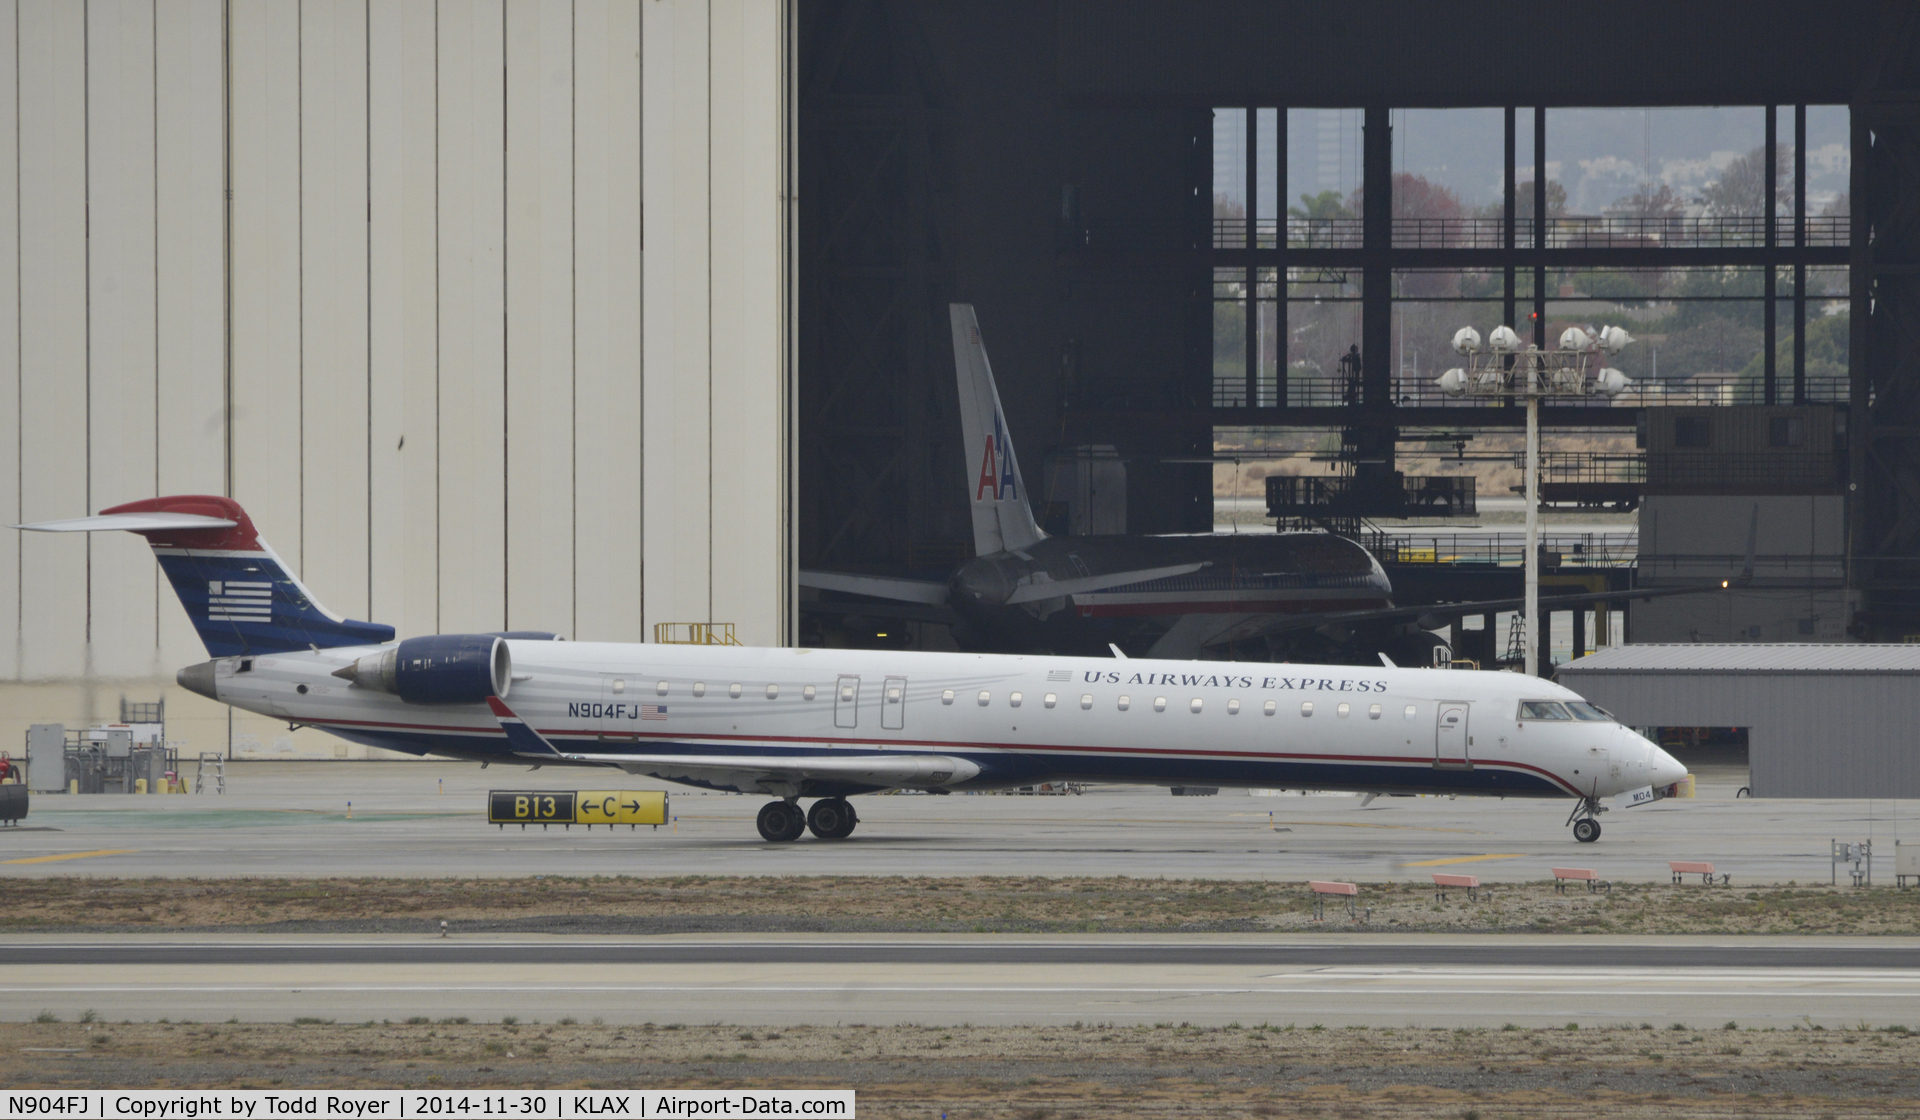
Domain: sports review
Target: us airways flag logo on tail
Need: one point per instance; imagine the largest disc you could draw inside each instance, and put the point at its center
(233, 600)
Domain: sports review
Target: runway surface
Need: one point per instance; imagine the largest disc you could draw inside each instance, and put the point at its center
(1562, 952)
(426, 819)
(1338, 980)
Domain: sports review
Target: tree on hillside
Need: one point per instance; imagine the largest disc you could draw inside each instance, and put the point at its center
(1325, 206)
(1523, 201)
(1660, 202)
(1741, 191)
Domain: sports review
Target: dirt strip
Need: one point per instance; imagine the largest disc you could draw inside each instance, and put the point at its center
(960, 904)
(1083, 1070)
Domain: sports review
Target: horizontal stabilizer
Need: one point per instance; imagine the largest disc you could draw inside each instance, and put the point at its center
(878, 587)
(1055, 588)
(130, 522)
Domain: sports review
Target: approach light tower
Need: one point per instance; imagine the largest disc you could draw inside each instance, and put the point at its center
(1503, 369)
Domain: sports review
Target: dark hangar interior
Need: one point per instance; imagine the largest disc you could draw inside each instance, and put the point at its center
(1054, 163)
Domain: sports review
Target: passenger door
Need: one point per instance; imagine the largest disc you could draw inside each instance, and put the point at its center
(893, 705)
(619, 709)
(846, 702)
(1450, 742)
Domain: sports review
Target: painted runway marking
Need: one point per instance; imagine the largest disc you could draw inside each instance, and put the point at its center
(1465, 859)
(74, 855)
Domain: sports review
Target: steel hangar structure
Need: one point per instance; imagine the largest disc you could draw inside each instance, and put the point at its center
(1059, 165)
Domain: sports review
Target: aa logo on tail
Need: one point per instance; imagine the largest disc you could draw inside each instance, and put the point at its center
(997, 476)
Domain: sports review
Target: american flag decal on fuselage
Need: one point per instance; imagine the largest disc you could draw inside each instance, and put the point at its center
(233, 600)
(653, 711)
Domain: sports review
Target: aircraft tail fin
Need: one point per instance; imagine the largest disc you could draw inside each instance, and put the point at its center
(237, 592)
(1002, 518)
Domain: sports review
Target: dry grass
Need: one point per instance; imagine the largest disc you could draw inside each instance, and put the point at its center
(956, 904)
(1082, 1069)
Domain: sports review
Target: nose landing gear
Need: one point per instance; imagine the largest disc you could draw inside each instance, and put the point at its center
(1584, 819)
(832, 818)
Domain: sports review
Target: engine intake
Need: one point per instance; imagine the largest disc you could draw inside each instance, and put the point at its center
(442, 669)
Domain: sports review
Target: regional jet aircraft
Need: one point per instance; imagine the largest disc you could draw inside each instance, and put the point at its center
(1302, 596)
(829, 723)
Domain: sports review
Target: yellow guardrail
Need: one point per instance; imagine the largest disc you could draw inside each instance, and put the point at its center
(694, 634)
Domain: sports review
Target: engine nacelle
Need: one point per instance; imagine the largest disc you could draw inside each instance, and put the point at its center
(442, 669)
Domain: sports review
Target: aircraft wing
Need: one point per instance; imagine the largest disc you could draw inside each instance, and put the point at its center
(1056, 588)
(879, 587)
(748, 771)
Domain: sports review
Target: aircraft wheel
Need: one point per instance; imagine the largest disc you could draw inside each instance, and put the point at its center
(832, 818)
(1586, 830)
(780, 821)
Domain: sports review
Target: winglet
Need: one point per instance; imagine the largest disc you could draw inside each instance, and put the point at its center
(520, 736)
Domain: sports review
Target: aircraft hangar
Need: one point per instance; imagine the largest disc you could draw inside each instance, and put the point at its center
(1819, 721)
(589, 315)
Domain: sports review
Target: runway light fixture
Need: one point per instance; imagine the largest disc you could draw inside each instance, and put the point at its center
(1504, 369)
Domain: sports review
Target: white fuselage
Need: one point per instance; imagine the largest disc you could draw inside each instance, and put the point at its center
(1021, 719)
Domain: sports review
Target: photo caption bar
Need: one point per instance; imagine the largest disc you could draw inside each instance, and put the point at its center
(405, 1104)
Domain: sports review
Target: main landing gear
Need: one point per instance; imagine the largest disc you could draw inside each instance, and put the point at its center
(1584, 818)
(832, 818)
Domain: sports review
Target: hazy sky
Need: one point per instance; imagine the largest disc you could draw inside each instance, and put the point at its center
(1599, 155)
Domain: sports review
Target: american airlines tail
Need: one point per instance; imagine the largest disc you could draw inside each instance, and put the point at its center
(1002, 518)
(238, 593)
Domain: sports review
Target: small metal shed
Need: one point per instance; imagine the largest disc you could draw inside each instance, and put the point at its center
(1822, 720)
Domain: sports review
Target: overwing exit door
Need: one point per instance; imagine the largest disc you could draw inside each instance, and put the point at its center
(846, 702)
(1451, 744)
(893, 705)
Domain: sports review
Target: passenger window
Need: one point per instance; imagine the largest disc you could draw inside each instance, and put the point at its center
(659, 688)
(893, 694)
(619, 687)
(1410, 711)
(1159, 703)
(846, 693)
(806, 693)
(985, 697)
(1233, 707)
(1373, 712)
(1050, 700)
(1013, 701)
(1126, 702)
(773, 691)
(699, 688)
(1542, 709)
(1269, 708)
(947, 696)
(1342, 710)
(1196, 705)
(733, 691)
(1086, 702)
(1306, 708)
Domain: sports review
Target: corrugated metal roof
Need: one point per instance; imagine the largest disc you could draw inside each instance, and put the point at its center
(1795, 658)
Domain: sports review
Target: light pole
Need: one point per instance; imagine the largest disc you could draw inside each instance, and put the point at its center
(1503, 369)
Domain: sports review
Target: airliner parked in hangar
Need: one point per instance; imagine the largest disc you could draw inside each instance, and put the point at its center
(1302, 596)
(827, 724)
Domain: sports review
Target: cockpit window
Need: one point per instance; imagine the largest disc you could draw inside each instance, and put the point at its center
(1542, 709)
(1592, 713)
